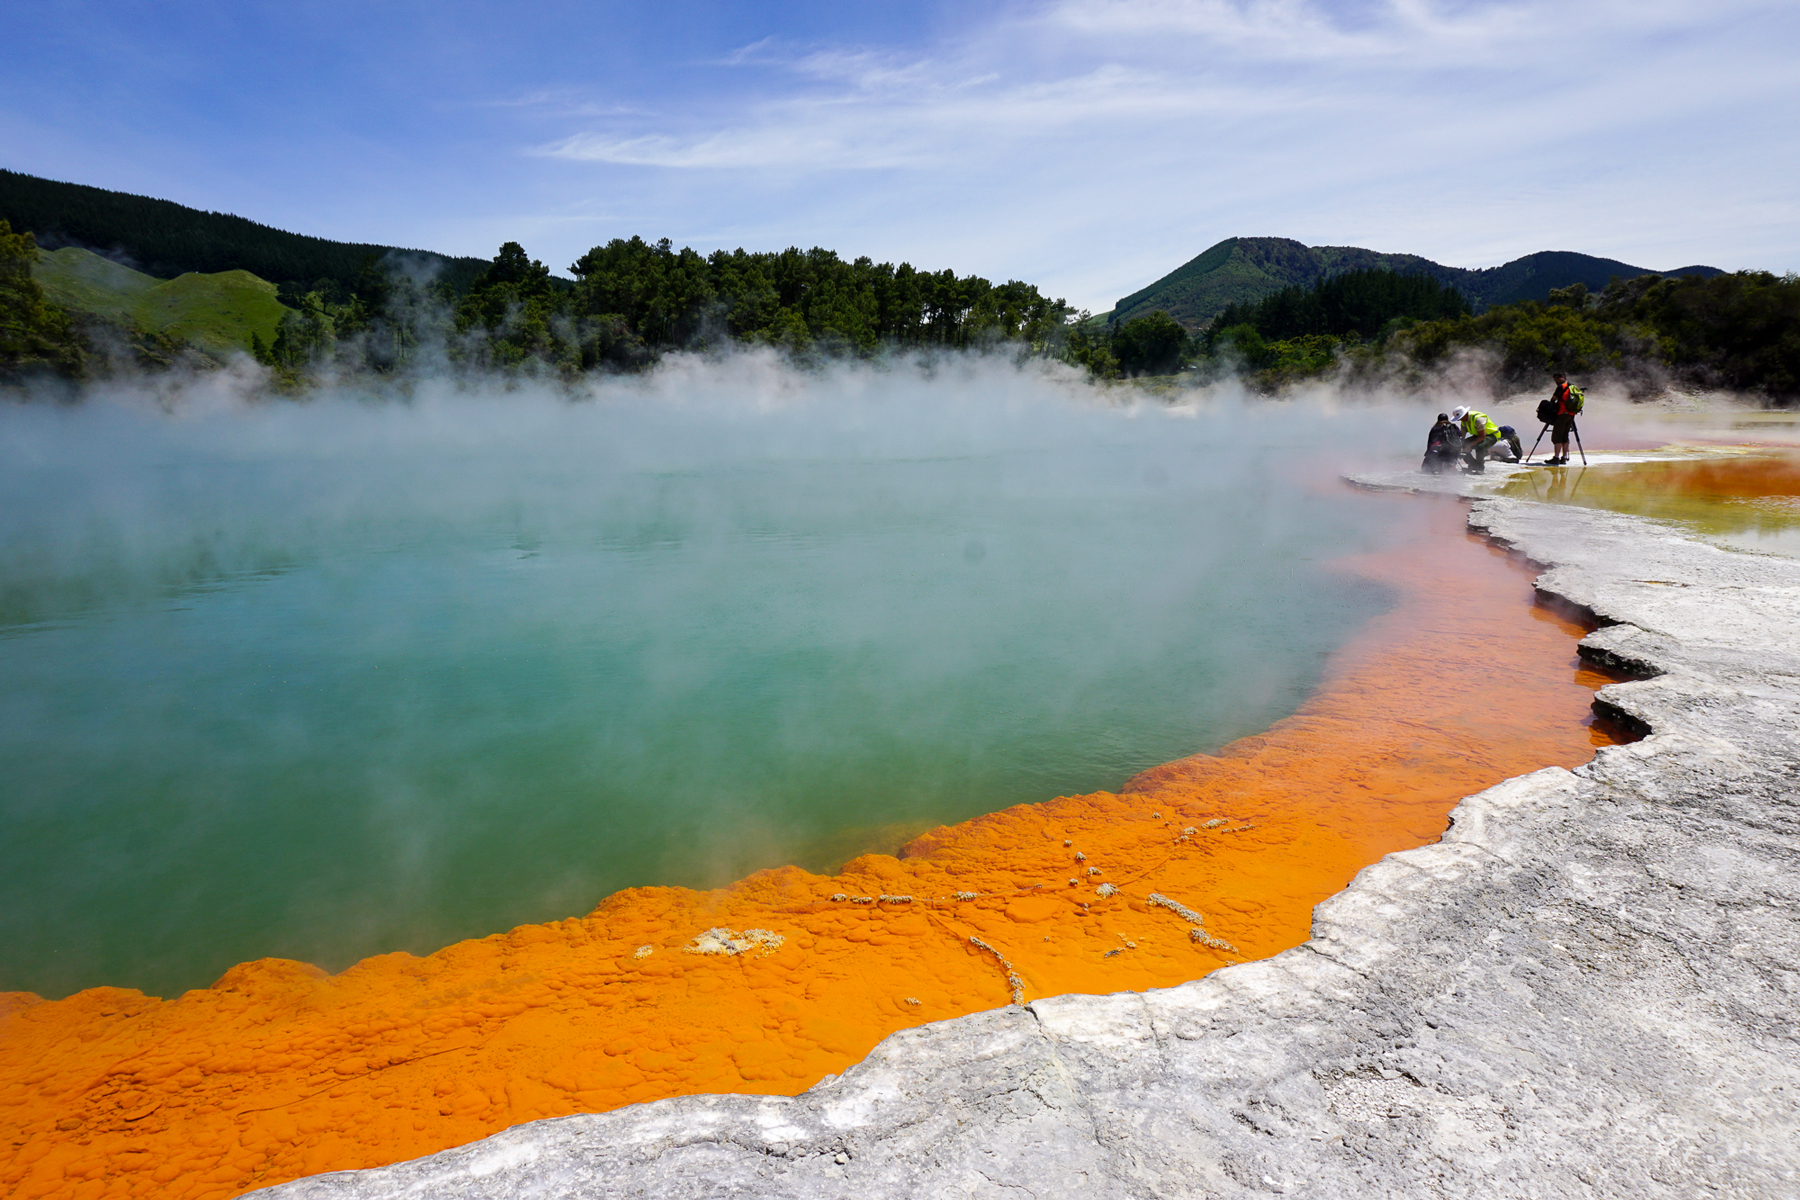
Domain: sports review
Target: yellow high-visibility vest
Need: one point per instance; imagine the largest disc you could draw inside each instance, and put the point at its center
(1476, 425)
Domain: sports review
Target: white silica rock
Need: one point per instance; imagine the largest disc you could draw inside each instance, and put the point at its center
(729, 941)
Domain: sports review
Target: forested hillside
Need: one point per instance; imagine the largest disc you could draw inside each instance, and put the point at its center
(166, 239)
(1244, 270)
(1384, 330)
(1361, 304)
(1738, 331)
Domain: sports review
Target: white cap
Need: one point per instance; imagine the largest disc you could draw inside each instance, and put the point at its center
(1459, 412)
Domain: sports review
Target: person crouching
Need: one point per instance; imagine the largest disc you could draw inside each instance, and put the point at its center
(1479, 435)
(1442, 445)
(1509, 449)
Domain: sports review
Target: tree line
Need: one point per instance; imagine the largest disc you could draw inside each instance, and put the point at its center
(1304, 323)
(1735, 331)
(633, 300)
(1738, 331)
(630, 302)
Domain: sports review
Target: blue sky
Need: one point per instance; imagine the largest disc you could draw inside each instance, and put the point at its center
(1086, 147)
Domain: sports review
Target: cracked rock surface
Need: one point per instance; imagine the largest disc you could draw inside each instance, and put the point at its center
(1589, 987)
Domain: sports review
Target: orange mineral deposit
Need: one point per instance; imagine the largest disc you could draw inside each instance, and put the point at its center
(279, 1070)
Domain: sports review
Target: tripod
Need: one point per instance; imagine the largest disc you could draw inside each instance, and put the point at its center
(1572, 429)
(1540, 437)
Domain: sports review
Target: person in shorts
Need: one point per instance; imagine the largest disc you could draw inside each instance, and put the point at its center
(1562, 420)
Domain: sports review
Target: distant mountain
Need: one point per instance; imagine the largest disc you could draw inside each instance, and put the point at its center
(1532, 277)
(1246, 269)
(165, 239)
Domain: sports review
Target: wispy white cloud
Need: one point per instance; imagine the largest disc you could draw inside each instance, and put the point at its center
(780, 146)
(1145, 129)
(1075, 65)
(925, 117)
(1302, 31)
(568, 103)
(753, 52)
(1086, 145)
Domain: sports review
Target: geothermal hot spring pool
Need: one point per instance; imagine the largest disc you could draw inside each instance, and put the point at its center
(331, 678)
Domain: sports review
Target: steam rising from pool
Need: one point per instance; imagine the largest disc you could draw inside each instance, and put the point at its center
(329, 678)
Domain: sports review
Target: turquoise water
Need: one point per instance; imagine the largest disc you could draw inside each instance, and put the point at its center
(327, 680)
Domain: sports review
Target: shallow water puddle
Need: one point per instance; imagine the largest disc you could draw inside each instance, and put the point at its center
(1749, 502)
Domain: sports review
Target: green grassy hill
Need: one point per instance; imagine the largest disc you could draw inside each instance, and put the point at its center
(85, 282)
(1241, 270)
(216, 312)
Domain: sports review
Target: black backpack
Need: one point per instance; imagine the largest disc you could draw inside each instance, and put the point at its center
(1546, 411)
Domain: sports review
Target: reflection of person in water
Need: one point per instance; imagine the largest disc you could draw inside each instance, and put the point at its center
(1442, 445)
(1563, 487)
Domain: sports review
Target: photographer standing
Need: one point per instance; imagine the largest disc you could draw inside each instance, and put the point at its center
(1559, 412)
